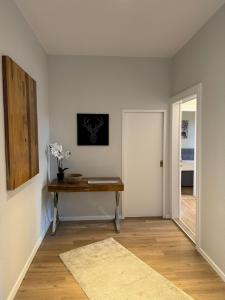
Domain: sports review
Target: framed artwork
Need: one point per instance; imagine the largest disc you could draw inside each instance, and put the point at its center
(184, 129)
(92, 129)
(21, 124)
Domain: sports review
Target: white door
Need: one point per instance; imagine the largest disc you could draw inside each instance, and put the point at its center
(143, 175)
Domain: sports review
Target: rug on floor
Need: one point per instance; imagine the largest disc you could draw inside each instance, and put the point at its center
(106, 270)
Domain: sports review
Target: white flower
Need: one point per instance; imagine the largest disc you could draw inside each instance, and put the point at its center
(57, 151)
(67, 154)
(60, 156)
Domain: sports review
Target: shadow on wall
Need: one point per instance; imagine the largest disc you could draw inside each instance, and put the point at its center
(46, 208)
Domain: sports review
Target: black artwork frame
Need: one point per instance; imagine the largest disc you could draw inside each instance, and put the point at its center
(184, 129)
(92, 129)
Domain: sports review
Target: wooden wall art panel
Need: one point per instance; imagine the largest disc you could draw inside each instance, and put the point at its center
(21, 128)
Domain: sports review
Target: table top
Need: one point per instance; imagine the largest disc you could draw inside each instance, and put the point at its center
(100, 185)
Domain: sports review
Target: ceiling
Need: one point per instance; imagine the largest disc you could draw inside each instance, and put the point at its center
(190, 105)
(138, 28)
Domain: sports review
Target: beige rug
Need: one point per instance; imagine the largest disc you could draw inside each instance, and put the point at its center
(107, 271)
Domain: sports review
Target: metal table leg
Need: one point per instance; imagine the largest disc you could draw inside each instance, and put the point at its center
(117, 217)
(55, 213)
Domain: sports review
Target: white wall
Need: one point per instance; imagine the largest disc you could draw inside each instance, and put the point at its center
(203, 60)
(100, 84)
(190, 141)
(23, 212)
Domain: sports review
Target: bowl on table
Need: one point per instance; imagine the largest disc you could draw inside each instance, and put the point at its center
(73, 178)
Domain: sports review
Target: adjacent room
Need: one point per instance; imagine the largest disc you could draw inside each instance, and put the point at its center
(188, 164)
(112, 165)
(186, 136)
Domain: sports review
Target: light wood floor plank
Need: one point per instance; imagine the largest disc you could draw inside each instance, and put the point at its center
(188, 209)
(159, 243)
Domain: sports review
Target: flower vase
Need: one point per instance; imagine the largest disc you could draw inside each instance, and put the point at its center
(60, 176)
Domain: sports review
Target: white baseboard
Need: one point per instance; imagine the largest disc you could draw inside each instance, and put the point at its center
(88, 218)
(212, 263)
(167, 217)
(27, 264)
(185, 229)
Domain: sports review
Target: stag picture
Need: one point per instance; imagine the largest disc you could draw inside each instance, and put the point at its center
(92, 129)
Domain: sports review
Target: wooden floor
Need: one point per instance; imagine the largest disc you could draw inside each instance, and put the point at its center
(159, 243)
(188, 209)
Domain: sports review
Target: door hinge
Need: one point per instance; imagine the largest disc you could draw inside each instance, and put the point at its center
(161, 163)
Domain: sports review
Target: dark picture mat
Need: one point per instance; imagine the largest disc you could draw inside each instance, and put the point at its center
(92, 129)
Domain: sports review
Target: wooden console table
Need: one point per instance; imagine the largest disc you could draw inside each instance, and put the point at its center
(89, 184)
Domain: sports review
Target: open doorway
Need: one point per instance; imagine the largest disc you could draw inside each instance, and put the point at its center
(185, 161)
(187, 214)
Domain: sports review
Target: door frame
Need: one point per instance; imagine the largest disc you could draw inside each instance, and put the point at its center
(164, 127)
(175, 158)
